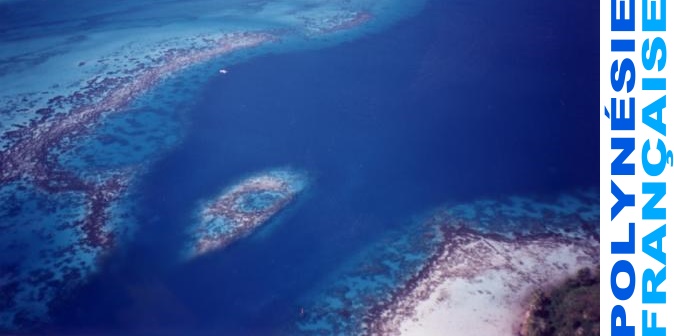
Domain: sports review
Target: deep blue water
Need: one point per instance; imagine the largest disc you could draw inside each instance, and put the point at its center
(465, 100)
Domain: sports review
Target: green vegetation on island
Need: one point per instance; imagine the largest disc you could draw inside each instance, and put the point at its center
(569, 309)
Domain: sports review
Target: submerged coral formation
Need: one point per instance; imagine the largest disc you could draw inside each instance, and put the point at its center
(240, 209)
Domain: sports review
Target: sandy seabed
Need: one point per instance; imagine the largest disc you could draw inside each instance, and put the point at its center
(481, 285)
